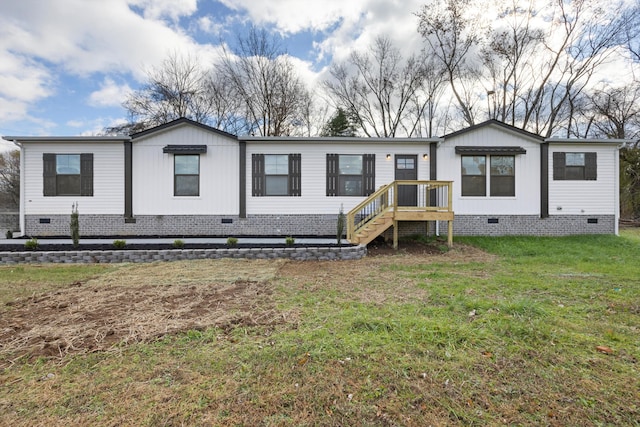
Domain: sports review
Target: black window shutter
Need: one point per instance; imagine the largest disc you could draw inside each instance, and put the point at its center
(332, 174)
(369, 174)
(49, 174)
(591, 166)
(295, 175)
(257, 173)
(559, 163)
(86, 174)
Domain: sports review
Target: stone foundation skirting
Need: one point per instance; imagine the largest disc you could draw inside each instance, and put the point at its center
(136, 256)
(530, 225)
(184, 225)
(309, 225)
(9, 221)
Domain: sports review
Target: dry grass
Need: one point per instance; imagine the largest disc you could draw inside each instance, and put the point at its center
(412, 338)
(137, 303)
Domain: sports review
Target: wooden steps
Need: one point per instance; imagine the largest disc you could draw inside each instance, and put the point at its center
(381, 210)
(374, 228)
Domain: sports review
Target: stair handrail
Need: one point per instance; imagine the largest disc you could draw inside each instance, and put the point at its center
(381, 194)
(385, 199)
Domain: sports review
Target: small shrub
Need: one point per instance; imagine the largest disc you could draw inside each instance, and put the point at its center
(119, 244)
(340, 226)
(31, 244)
(9, 234)
(74, 225)
(289, 241)
(232, 241)
(178, 244)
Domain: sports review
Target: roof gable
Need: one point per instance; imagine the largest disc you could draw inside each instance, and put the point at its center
(497, 124)
(182, 121)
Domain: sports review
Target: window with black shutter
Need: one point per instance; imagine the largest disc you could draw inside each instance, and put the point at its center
(575, 166)
(351, 174)
(67, 174)
(276, 175)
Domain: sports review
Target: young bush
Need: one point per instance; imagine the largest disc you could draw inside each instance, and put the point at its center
(9, 234)
(289, 241)
(75, 225)
(119, 244)
(31, 244)
(232, 241)
(341, 224)
(178, 244)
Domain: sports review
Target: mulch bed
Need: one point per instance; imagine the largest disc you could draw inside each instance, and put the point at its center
(151, 246)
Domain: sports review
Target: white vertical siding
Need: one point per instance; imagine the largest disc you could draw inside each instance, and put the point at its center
(527, 173)
(108, 178)
(153, 174)
(313, 168)
(585, 197)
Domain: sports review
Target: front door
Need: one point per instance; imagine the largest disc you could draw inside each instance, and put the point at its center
(407, 169)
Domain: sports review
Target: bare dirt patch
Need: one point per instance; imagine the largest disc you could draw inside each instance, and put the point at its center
(142, 302)
(139, 303)
(366, 279)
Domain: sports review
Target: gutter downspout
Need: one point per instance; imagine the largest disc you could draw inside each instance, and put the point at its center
(616, 190)
(544, 180)
(21, 215)
(433, 172)
(128, 183)
(242, 169)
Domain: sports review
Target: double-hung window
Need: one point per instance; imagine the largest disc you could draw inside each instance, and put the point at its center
(575, 166)
(474, 175)
(276, 174)
(186, 180)
(350, 174)
(68, 174)
(501, 176)
(502, 181)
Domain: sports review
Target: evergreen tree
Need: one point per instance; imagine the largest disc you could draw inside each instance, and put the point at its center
(339, 125)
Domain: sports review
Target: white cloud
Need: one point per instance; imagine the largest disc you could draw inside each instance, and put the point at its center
(96, 126)
(42, 42)
(292, 16)
(84, 37)
(7, 146)
(173, 9)
(110, 94)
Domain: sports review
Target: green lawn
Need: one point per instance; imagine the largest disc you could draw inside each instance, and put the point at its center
(545, 331)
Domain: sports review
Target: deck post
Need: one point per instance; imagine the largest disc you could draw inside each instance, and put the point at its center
(450, 222)
(395, 234)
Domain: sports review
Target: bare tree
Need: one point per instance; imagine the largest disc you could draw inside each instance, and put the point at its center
(381, 91)
(507, 51)
(632, 33)
(10, 178)
(273, 97)
(588, 37)
(452, 36)
(533, 61)
(177, 88)
(614, 112)
(226, 104)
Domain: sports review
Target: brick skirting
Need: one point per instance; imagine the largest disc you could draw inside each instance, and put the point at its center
(530, 225)
(184, 225)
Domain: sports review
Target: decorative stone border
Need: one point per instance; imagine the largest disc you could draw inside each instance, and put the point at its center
(114, 256)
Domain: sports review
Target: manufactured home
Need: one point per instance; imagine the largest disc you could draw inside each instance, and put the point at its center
(187, 179)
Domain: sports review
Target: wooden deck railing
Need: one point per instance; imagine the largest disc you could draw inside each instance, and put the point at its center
(427, 200)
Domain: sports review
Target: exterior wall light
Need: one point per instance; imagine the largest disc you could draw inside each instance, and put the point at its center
(388, 156)
(425, 156)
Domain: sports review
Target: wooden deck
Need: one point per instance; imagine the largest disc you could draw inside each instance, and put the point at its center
(401, 201)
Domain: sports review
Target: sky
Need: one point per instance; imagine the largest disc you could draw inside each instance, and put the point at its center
(66, 66)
